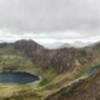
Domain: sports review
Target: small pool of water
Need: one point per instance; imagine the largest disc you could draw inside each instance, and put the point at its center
(17, 77)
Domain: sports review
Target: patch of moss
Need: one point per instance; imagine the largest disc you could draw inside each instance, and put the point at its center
(44, 81)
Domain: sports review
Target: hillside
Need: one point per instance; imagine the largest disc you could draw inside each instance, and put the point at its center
(87, 88)
(59, 59)
(58, 68)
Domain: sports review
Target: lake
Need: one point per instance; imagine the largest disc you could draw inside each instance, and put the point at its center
(17, 77)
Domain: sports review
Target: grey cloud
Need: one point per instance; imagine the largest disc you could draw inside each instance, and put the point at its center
(50, 15)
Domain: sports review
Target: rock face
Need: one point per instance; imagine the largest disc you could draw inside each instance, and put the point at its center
(60, 59)
(85, 89)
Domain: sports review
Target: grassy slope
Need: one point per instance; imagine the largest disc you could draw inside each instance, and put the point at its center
(84, 89)
(10, 59)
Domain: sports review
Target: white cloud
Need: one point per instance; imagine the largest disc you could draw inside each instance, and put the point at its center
(53, 37)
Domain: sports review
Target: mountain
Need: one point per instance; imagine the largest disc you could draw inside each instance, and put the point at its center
(80, 44)
(62, 59)
(63, 72)
(76, 44)
(58, 45)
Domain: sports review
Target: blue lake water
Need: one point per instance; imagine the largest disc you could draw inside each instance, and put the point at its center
(17, 77)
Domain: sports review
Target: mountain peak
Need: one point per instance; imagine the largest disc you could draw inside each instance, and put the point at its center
(28, 43)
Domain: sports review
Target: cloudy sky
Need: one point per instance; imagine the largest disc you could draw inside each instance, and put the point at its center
(48, 21)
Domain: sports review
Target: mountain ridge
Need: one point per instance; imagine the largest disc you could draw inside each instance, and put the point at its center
(60, 59)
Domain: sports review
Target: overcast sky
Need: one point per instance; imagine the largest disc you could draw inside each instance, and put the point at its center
(49, 21)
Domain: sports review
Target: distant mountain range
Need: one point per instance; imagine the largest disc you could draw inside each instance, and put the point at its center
(76, 44)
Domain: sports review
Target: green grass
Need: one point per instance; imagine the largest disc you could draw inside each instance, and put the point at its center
(44, 81)
(17, 92)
